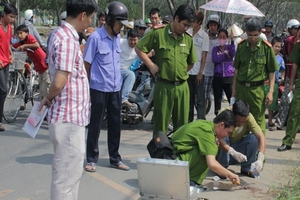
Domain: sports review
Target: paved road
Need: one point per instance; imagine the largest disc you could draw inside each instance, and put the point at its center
(25, 165)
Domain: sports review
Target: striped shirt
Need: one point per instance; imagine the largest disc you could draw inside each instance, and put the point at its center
(73, 103)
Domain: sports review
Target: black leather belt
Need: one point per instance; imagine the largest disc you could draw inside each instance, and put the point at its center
(251, 84)
(169, 82)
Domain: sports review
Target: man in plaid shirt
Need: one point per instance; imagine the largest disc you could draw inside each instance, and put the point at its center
(68, 99)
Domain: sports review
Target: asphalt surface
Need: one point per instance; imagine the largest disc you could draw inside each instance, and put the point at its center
(25, 168)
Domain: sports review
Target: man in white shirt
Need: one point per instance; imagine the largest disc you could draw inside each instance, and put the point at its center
(196, 80)
(213, 25)
(127, 57)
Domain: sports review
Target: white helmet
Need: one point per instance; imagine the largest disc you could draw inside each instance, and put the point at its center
(63, 15)
(213, 18)
(292, 23)
(28, 14)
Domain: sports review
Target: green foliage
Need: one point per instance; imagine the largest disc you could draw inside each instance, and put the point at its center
(290, 191)
(279, 11)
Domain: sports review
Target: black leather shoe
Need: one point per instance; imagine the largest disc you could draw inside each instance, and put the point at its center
(284, 147)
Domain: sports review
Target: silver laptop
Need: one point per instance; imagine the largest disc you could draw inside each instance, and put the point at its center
(163, 179)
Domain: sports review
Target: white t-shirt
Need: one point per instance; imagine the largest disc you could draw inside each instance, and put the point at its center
(128, 54)
(209, 65)
(262, 35)
(201, 43)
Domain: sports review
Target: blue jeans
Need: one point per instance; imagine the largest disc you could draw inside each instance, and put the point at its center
(248, 146)
(128, 82)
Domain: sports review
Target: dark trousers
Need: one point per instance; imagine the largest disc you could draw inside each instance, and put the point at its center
(3, 88)
(111, 103)
(197, 97)
(221, 84)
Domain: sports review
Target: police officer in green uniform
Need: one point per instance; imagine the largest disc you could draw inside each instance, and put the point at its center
(293, 120)
(175, 55)
(254, 62)
(196, 142)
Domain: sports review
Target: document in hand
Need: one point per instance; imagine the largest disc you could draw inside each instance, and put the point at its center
(35, 119)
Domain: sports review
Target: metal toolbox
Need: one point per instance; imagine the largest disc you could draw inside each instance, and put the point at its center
(163, 179)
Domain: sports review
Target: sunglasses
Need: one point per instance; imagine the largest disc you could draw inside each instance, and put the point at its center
(142, 28)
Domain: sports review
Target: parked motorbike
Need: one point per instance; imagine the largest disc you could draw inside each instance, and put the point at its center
(141, 98)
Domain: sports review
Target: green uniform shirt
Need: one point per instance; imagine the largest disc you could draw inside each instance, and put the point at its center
(295, 56)
(193, 142)
(172, 55)
(254, 65)
(249, 126)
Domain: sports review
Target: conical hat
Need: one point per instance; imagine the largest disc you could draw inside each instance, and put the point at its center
(237, 31)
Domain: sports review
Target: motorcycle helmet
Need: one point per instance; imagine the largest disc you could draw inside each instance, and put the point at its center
(116, 11)
(213, 18)
(167, 19)
(147, 21)
(293, 23)
(63, 15)
(140, 23)
(268, 23)
(28, 14)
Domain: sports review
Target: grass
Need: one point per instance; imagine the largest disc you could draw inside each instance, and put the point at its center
(289, 191)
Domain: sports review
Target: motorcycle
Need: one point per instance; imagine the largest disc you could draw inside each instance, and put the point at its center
(141, 98)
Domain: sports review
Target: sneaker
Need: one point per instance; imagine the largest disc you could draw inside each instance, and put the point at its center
(2, 127)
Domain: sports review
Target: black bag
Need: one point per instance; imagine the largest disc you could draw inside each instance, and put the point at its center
(161, 146)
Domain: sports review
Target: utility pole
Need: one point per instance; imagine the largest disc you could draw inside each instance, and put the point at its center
(143, 9)
(95, 24)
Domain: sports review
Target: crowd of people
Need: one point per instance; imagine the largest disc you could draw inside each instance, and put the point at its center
(91, 78)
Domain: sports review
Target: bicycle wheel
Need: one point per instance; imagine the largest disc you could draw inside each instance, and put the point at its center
(14, 97)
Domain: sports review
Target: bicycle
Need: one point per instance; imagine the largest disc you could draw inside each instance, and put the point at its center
(21, 89)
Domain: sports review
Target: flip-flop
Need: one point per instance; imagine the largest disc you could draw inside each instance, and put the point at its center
(120, 165)
(90, 167)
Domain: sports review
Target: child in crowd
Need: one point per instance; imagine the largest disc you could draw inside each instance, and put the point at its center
(276, 44)
(36, 54)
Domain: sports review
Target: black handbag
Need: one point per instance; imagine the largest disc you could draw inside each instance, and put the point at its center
(161, 146)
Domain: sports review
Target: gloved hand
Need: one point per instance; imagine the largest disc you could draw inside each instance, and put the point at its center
(258, 164)
(232, 101)
(237, 155)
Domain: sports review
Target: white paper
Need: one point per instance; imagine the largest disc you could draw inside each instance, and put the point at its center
(35, 120)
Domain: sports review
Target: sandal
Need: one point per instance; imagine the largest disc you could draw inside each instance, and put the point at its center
(120, 165)
(272, 127)
(90, 167)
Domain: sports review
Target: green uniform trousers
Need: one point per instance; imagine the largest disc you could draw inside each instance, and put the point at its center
(197, 165)
(255, 97)
(294, 117)
(170, 100)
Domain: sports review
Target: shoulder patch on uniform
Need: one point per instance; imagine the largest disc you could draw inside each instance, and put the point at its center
(243, 40)
(267, 43)
(158, 26)
(189, 34)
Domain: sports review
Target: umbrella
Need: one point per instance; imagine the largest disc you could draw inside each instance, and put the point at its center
(242, 7)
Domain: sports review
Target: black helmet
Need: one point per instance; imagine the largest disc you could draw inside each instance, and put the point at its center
(167, 19)
(140, 23)
(116, 11)
(269, 23)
